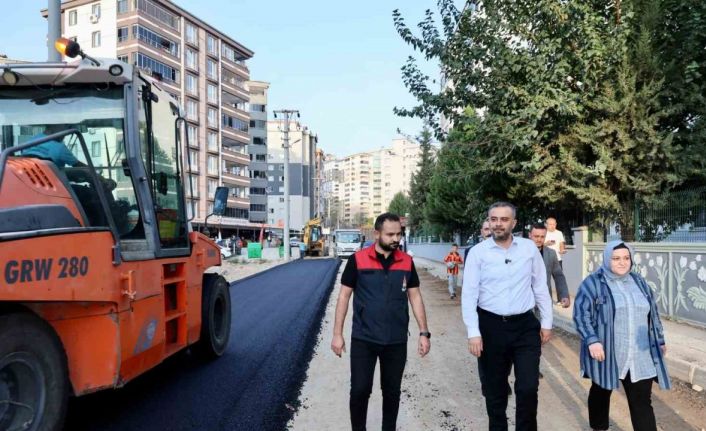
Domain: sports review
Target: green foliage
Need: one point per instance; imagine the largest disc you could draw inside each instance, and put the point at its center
(399, 204)
(561, 103)
(453, 203)
(419, 186)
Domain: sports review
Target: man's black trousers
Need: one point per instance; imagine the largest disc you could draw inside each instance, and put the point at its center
(507, 342)
(364, 356)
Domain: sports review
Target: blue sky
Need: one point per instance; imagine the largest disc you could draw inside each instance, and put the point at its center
(338, 62)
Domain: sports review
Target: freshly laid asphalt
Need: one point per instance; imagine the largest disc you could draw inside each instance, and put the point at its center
(255, 385)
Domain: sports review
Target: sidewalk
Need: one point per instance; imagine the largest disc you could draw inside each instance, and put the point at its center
(686, 345)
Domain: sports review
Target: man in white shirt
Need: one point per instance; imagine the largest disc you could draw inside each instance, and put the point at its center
(504, 279)
(555, 239)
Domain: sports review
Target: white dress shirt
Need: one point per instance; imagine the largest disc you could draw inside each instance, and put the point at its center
(558, 237)
(505, 282)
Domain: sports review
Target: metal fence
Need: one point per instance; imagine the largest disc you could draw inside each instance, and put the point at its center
(669, 217)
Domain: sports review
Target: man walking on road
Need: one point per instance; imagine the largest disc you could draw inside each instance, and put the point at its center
(551, 262)
(383, 279)
(555, 240)
(504, 279)
(453, 261)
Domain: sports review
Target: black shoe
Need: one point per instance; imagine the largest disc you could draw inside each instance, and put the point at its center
(453, 296)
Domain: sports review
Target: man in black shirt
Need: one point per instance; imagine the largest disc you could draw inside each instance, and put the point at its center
(384, 280)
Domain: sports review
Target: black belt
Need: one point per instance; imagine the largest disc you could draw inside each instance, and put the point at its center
(506, 318)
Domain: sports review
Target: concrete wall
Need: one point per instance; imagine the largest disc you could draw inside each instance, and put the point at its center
(433, 251)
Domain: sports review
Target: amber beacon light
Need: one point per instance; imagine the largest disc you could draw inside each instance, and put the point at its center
(67, 47)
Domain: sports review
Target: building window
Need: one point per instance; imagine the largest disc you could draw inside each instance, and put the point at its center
(235, 123)
(156, 40)
(96, 39)
(211, 69)
(192, 209)
(192, 34)
(192, 110)
(258, 124)
(193, 132)
(228, 52)
(212, 139)
(192, 84)
(122, 34)
(258, 141)
(230, 78)
(194, 185)
(211, 45)
(212, 117)
(167, 73)
(192, 59)
(122, 58)
(73, 17)
(212, 184)
(212, 92)
(96, 149)
(122, 6)
(96, 9)
(258, 207)
(213, 165)
(236, 213)
(257, 108)
(193, 161)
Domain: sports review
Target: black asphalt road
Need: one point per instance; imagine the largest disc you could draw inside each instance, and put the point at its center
(276, 318)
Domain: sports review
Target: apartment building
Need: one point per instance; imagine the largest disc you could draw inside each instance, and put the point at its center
(258, 151)
(331, 185)
(302, 170)
(203, 68)
(366, 182)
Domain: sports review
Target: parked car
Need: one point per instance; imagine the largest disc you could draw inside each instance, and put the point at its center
(294, 242)
(225, 252)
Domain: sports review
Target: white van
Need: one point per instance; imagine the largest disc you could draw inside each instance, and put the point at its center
(347, 241)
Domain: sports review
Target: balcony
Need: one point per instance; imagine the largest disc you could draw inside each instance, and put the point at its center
(238, 202)
(235, 135)
(236, 66)
(232, 155)
(235, 112)
(236, 103)
(232, 88)
(229, 177)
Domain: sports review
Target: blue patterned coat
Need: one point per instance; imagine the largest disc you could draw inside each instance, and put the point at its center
(594, 313)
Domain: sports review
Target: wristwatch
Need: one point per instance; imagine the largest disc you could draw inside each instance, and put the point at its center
(425, 334)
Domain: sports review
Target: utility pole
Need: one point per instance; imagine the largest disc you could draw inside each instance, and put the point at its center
(53, 30)
(286, 114)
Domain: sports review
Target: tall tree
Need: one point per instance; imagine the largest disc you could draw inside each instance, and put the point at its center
(399, 204)
(570, 111)
(452, 201)
(419, 186)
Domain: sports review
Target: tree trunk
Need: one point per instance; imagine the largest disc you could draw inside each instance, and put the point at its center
(626, 221)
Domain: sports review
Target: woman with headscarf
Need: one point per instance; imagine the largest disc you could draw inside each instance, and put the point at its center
(621, 339)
